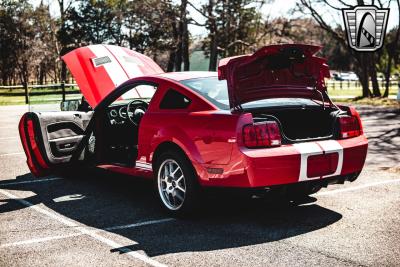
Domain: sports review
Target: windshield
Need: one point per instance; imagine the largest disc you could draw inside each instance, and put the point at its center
(216, 91)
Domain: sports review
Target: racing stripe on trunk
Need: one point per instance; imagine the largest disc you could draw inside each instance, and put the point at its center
(318, 148)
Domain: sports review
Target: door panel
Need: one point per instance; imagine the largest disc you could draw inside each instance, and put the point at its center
(51, 138)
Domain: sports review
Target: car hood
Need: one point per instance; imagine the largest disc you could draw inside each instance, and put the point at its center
(99, 69)
(288, 70)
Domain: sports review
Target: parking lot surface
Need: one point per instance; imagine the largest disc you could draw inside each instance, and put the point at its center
(102, 219)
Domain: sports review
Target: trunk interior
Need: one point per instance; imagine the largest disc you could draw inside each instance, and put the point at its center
(301, 123)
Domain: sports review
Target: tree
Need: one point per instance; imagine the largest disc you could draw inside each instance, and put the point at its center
(233, 27)
(392, 51)
(364, 63)
(21, 45)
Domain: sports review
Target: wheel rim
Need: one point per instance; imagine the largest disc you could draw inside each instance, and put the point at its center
(171, 184)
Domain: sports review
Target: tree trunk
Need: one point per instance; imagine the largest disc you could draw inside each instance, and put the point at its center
(178, 49)
(185, 36)
(387, 75)
(63, 76)
(363, 75)
(374, 78)
(392, 49)
(213, 37)
(171, 61)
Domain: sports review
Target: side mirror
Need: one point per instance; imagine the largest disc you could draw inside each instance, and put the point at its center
(70, 105)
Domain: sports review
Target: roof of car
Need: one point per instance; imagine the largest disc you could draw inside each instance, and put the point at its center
(186, 75)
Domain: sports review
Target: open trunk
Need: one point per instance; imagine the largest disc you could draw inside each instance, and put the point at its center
(301, 123)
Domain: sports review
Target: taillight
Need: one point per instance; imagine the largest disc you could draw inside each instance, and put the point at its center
(349, 127)
(264, 134)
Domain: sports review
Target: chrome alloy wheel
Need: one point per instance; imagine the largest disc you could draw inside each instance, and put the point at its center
(171, 184)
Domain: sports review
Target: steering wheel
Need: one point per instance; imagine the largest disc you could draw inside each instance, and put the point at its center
(135, 110)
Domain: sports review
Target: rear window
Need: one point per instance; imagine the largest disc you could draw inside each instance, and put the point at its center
(174, 100)
(216, 91)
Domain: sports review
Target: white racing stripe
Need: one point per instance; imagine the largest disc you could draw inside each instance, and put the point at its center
(129, 63)
(306, 150)
(113, 69)
(83, 230)
(333, 146)
(354, 188)
(318, 148)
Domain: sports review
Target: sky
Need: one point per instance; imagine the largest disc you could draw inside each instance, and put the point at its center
(271, 10)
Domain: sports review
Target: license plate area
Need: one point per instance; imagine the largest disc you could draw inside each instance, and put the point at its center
(322, 164)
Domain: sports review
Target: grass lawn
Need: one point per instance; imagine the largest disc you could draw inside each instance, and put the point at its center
(371, 102)
(42, 99)
(52, 97)
(355, 91)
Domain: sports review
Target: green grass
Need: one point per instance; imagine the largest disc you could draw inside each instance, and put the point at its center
(334, 91)
(371, 102)
(350, 89)
(43, 99)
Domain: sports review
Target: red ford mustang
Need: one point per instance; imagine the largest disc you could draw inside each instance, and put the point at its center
(264, 122)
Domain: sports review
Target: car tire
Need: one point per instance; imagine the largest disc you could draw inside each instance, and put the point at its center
(176, 183)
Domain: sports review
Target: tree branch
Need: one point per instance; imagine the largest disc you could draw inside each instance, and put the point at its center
(198, 10)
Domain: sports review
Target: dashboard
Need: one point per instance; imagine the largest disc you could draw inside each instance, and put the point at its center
(118, 114)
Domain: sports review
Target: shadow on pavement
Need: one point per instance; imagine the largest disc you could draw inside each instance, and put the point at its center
(102, 200)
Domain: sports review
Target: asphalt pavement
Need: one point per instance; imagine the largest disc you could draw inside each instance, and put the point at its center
(111, 220)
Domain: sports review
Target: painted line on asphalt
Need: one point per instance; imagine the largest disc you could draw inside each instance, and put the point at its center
(54, 216)
(133, 225)
(93, 234)
(11, 154)
(57, 237)
(32, 181)
(354, 188)
(39, 240)
(8, 138)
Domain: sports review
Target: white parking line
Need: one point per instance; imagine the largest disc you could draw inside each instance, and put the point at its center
(7, 138)
(39, 240)
(50, 238)
(133, 225)
(31, 181)
(354, 188)
(11, 154)
(93, 234)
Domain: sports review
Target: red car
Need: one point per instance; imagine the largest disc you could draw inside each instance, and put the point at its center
(264, 121)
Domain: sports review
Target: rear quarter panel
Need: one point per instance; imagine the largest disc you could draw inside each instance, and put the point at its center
(205, 134)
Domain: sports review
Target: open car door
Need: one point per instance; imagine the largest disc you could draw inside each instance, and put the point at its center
(50, 139)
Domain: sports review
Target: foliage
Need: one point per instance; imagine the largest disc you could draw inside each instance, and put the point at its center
(32, 41)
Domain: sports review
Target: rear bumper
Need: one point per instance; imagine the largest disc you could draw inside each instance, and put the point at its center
(288, 164)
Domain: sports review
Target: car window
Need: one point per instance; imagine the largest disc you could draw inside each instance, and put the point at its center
(141, 92)
(214, 90)
(174, 100)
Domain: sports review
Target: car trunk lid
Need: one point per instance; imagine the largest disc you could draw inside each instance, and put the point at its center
(289, 70)
(99, 69)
